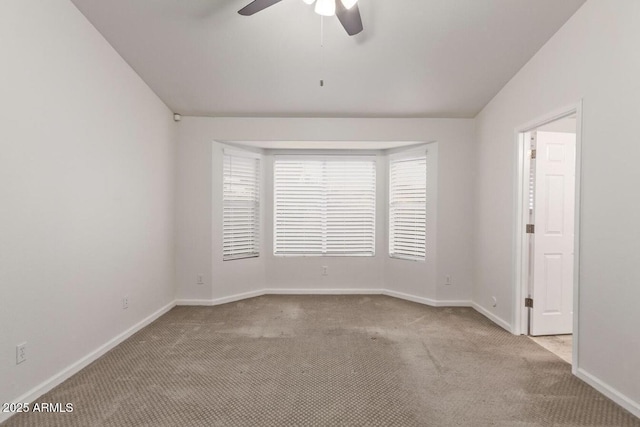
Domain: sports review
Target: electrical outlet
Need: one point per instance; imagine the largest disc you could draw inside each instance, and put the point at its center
(447, 280)
(325, 271)
(125, 302)
(200, 280)
(21, 353)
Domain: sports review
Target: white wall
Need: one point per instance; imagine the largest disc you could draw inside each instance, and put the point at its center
(196, 206)
(199, 223)
(593, 57)
(86, 191)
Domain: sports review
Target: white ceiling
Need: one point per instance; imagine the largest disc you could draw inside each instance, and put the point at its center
(415, 58)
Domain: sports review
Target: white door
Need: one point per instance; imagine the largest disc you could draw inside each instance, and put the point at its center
(552, 292)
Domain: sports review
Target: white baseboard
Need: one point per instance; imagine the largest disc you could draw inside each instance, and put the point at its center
(499, 321)
(337, 291)
(427, 301)
(453, 303)
(610, 392)
(353, 291)
(194, 302)
(219, 301)
(253, 294)
(77, 366)
(237, 297)
(408, 297)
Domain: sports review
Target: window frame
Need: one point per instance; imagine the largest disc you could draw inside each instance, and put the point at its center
(256, 204)
(372, 158)
(405, 156)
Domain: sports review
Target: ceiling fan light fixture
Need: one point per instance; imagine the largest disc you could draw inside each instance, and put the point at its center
(326, 7)
(347, 12)
(348, 4)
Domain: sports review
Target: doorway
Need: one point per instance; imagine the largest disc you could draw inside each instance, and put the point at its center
(548, 232)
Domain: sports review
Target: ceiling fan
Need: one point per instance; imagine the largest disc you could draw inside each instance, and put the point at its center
(346, 10)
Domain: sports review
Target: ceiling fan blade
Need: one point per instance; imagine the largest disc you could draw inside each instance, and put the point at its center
(349, 18)
(256, 6)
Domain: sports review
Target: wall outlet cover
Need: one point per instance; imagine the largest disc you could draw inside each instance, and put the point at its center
(21, 353)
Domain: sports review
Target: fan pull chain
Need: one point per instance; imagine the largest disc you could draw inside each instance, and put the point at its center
(321, 49)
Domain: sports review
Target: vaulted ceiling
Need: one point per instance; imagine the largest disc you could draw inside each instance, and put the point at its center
(415, 58)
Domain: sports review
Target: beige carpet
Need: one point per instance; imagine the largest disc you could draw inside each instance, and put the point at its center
(325, 361)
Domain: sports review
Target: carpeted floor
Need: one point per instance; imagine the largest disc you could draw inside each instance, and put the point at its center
(325, 361)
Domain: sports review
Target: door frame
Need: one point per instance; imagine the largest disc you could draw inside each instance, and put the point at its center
(520, 248)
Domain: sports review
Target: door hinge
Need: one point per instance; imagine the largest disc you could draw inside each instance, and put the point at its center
(533, 154)
(528, 302)
(531, 228)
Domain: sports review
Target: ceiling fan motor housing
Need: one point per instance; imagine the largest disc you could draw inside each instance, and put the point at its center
(347, 11)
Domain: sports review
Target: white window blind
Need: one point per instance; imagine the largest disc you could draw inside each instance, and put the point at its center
(241, 206)
(324, 206)
(408, 207)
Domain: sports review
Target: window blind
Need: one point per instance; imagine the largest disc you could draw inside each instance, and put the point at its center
(324, 206)
(408, 207)
(241, 206)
